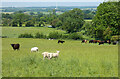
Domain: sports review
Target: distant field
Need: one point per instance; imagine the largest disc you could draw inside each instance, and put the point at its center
(75, 59)
(8, 12)
(13, 32)
(88, 20)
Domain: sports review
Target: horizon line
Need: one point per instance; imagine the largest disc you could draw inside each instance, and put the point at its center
(70, 1)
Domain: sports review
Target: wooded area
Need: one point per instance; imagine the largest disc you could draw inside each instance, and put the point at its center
(105, 21)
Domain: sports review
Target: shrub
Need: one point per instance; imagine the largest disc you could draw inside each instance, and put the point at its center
(115, 38)
(26, 35)
(65, 36)
(75, 36)
(55, 35)
(3, 37)
(29, 24)
(40, 35)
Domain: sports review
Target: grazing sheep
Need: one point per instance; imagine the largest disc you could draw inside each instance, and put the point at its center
(50, 39)
(34, 49)
(50, 55)
(56, 54)
(45, 54)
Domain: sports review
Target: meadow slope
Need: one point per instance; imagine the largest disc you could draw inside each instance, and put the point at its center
(14, 32)
(75, 59)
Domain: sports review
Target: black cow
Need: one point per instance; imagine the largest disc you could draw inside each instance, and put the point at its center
(114, 43)
(15, 46)
(60, 41)
(91, 41)
(102, 42)
(107, 41)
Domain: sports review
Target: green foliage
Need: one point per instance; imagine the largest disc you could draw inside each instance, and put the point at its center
(65, 36)
(56, 23)
(107, 33)
(20, 18)
(29, 24)
(88, 14)
(25, 35)
(6, 22)
(31, 13)
(107, 18)
(40, 35)
(115, 38)
(75, 36)
(54, 12)
(55, 35)
(14, 23)
(72, 20)
(3, 37)
(88, 29)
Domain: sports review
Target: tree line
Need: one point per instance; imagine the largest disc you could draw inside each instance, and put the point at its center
(104, 24)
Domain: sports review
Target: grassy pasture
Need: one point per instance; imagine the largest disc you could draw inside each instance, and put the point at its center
(14, 32)
(75, 59)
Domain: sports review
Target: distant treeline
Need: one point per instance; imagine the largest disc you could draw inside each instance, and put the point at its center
(46, 9)
(105, 21)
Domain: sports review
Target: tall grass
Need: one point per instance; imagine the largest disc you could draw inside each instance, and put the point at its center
(75, 59)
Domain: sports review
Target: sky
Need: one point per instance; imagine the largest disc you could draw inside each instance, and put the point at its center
(52, 0)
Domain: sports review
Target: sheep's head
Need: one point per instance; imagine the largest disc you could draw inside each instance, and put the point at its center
(42, 53)
(58, 51)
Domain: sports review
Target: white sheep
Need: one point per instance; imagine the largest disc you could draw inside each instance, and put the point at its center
(34, 49)
(50, 55)
(45, 54)
(56, 54)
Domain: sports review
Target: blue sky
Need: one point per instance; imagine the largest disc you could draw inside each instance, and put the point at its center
(52, 0)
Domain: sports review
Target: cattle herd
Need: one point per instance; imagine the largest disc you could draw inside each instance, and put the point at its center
(50, 55)
(101, 42)
(17, 46)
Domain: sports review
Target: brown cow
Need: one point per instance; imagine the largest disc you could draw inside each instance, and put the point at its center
(94, 41)
(98, 41)
(84, 41)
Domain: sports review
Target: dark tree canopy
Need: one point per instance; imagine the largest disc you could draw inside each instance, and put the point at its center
(72, 20)
(107, 18)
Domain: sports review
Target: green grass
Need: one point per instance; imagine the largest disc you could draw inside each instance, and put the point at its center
(75, 59)
(14, 32)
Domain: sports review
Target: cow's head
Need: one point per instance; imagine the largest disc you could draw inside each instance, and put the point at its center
(12, 45)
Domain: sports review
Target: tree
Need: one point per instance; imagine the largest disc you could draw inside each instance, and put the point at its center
(29, 24)
(72, 20)
(56, 23)
(14, 23)
(54, 12)
(31, 13)
(107, 16)
(20, 18)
